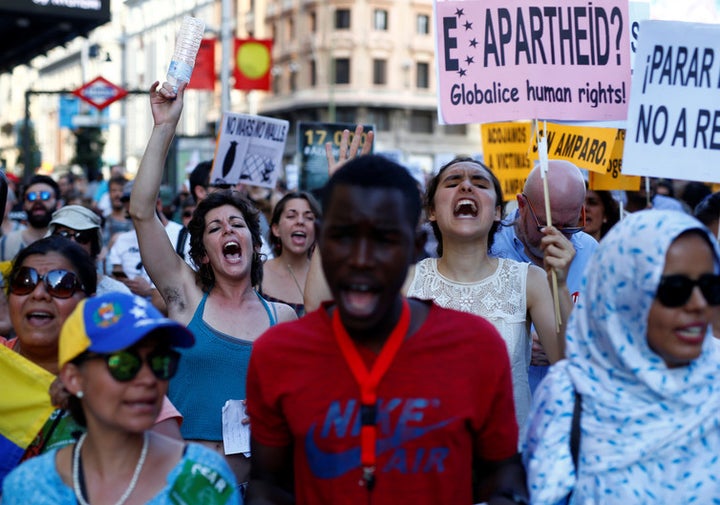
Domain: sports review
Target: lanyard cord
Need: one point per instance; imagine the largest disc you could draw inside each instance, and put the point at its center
(368, 382)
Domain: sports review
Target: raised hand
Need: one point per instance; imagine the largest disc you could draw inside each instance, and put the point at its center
(166, 105)
(348, 152)
(558, 252)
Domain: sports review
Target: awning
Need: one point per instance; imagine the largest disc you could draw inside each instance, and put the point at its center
(32, 27)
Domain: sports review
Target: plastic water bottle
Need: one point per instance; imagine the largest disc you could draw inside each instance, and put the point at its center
(186, 48)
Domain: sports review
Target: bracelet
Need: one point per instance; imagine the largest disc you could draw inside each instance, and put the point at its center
(512, 495)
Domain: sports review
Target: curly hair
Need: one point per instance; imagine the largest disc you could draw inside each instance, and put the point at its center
(432, 189)
(196, 227)
(276, 242)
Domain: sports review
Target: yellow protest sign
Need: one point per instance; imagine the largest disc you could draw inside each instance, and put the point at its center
(613, 178)
(587, 147)
(505, 151)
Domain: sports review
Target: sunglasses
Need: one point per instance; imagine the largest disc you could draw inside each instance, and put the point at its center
(38, 195)
(58, 283)
(125, 365)
(676, 290)
(81, 237)
(567, 230)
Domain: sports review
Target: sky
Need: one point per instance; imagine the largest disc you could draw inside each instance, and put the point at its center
(700, 11)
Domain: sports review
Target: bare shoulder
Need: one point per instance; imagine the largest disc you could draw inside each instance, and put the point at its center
(284, 312)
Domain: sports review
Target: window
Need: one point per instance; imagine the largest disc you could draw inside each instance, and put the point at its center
(313, 73)
(454, 129)
(342, 70)
(380, 118)
(423, 24)
(379, 72)
(313, 22)
(342, 19)
(380, 19)
(421, 122)
(423, 75)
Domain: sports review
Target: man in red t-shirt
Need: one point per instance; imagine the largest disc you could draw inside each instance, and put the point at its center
(376, 398)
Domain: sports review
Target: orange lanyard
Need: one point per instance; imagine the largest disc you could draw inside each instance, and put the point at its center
(368, 382)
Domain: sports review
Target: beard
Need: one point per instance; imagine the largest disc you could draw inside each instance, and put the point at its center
(39, 220)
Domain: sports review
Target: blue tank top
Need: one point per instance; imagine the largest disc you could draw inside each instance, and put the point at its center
(210, 373)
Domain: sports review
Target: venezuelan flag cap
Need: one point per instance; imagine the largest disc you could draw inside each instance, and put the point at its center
(116, 321)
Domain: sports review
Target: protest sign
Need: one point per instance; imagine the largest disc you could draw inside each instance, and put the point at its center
(505, 151)
(585, 146)
(613, 177)
(249, 150)
(311, 139)
(513, 59)
(673, 118)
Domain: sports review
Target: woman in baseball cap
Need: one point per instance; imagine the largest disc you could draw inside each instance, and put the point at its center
(116, 354)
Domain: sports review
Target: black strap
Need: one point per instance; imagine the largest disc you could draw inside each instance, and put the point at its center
(180, 245)
(575, 430)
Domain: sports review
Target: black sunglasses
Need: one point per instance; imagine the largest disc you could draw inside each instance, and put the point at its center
(567, 230)
(125, 365)
(58, 283)
(41, 195)
(81, 237)
(676, 290)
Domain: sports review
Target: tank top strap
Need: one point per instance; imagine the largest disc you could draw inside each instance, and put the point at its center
(272, 314)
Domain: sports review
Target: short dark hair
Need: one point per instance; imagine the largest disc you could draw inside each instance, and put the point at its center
(76, 255)
(42, 179)
(196, 227)
(432, 189)
(119, 180)
(274, 241)
(708, 210)
(200, 176)
(374, 171)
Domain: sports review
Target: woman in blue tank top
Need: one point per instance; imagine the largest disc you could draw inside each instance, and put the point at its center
(219, 302)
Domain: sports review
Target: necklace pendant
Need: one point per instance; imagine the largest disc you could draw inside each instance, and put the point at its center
(368, 479)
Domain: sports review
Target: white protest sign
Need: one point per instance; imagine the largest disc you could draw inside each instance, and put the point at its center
(673, 127)
(249, 150)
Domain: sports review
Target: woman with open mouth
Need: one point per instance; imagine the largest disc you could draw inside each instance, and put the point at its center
(218, 303)
(292, 237)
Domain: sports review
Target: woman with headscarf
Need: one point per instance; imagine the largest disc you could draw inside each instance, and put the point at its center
(642, 365)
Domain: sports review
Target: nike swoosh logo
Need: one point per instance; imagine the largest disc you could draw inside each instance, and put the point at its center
(328, 465)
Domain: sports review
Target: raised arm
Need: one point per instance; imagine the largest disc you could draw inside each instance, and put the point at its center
(170, 274)
(316, 287)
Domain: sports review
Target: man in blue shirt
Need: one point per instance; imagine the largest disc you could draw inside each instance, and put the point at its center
(519, 236)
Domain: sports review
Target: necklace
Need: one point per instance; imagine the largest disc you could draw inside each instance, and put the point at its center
(292, 274)
(133, 482)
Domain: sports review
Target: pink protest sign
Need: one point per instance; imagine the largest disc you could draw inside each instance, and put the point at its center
(502, 60)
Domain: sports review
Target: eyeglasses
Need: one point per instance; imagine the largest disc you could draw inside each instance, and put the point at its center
(58, 283)
(81, 237)
(567, 230)
(125, 365)
(676, 290)
(41, 195)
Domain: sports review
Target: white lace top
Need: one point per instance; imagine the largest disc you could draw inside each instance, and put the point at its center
(499, 298)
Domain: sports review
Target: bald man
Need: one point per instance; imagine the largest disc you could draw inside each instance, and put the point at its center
(519, 237)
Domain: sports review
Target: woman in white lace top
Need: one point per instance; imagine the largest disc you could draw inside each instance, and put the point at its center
(464, 206)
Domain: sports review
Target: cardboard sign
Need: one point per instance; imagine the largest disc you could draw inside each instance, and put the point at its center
(501, 60)
(673, 119)
(585, 146)
(613, 177)
(505, 151)
(249, 150)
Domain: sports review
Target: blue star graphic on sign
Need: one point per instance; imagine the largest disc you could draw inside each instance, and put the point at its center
(473, 43)
(469, 60)
(459, 12)
(468, 25)
(462, 72)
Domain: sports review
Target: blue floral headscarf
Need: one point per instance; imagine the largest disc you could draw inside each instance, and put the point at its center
(648, 432)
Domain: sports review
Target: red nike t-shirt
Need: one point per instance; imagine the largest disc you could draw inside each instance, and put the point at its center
(446, 395)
